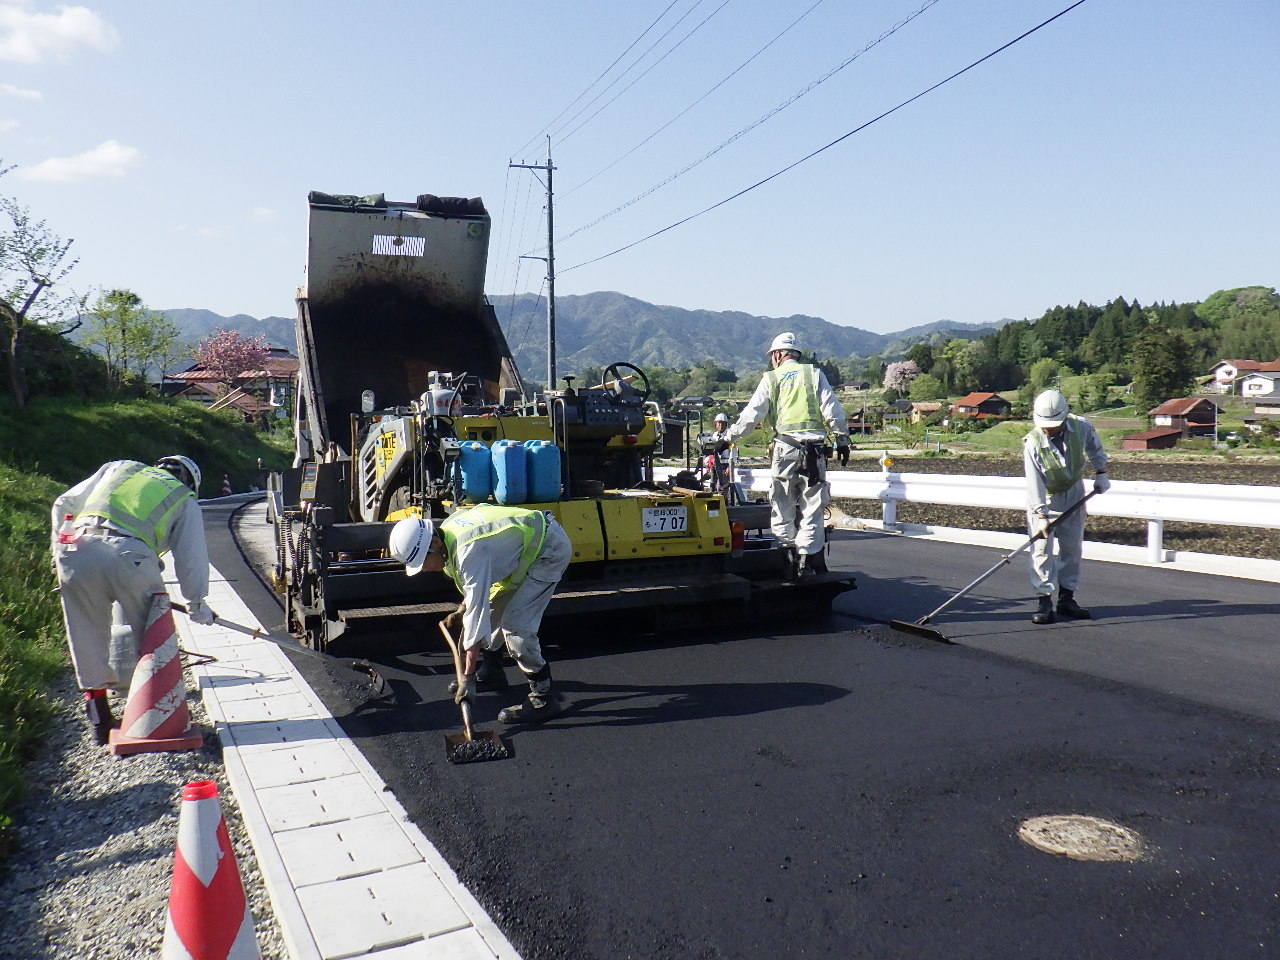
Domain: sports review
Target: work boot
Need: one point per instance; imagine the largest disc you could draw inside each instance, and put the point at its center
(1045, 613)
(98, 712)
(490, 674)
(535, 708)
(1067, 606)
(812, 563)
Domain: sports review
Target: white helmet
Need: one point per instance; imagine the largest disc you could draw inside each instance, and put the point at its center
(1050, 409)
(721, 417)
(410, 542)
(784, 341)
(185, 463)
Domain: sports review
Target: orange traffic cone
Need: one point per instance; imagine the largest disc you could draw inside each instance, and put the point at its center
(209, 918)
(155, 715)
(226, 486)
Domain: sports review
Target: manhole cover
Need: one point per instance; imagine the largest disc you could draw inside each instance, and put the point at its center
(1081, 838)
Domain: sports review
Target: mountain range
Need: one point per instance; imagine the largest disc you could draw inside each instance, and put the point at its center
(596, 329)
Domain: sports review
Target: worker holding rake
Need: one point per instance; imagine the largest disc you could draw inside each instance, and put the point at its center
(1055, 455)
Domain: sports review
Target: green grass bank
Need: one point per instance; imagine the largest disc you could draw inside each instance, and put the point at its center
(43, 450)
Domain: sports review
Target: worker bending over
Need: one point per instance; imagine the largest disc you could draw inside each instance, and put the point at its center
(506, 562)
(124, 517)
(1055, 455)
(797, 403)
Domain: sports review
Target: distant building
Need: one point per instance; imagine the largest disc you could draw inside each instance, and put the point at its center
(1191, 416)
(1224, 374)
(259, 394)
(981, 406)
(1158, 438)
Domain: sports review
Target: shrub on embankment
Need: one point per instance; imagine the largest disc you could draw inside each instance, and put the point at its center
(43, 450)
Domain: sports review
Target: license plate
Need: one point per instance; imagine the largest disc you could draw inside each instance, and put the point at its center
(666, 519)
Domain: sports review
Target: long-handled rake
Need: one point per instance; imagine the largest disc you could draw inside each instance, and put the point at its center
(469, 746)
(918, 627)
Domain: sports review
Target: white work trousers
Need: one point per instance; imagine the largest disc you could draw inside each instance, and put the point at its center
(101, 572)
(1055, 560)
(797, 509)
(517, 614)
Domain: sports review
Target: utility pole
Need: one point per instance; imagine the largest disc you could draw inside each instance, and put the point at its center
(550, 260)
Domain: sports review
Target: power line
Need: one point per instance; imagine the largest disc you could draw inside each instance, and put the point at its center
(602, 75)
(713, 89)
(750, 127)
(810, 156)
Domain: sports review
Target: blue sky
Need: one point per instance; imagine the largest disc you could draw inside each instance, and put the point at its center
(1127, 149)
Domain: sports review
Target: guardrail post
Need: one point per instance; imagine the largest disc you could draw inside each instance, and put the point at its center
(1155, 541)
(889, 510)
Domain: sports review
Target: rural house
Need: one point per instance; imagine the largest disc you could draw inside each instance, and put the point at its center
(259, 393)
(1192, 416)
(1224, 374)
(1157, 438)
(981, 406)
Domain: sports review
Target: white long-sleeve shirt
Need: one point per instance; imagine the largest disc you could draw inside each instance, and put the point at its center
(184, 540)
(758, 408)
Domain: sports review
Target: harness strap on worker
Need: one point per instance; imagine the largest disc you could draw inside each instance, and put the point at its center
(139, 500)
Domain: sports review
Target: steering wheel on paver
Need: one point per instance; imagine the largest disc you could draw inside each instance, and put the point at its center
(614, 372)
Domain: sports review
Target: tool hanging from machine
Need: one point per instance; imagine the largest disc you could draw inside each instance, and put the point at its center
(918, 627)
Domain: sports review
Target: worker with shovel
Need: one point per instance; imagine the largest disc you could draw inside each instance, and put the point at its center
(798, 404)
(1055, 455)
(108, 533)
(506, 562)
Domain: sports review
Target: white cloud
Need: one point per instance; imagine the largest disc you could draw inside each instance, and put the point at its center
(263, 215)
(19, 93)
(6, 125)
(28, 36)
(109, 159)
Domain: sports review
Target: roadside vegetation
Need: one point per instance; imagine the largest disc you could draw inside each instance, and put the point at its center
(45, 448)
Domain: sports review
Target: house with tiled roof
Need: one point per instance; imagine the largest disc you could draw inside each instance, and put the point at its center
(1193, 416)
(981, 406)
(257, 395)
(1224, 374)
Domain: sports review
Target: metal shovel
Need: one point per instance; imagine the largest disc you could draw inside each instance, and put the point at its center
(918, 627)
(469, 746)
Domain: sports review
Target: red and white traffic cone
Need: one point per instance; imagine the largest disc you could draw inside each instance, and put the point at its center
(209, 918)
(226, 485)
(155, 715)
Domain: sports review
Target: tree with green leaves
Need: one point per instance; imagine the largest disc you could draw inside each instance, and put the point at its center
(927, 387)
(1162, 365)
(130, 337)
(33, 265)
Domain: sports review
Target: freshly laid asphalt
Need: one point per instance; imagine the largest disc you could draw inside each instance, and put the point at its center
(843, 789)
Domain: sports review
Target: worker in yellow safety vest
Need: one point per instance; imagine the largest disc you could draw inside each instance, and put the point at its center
(797, 403)
(1055, 455)
(107, 558)
(506, 562)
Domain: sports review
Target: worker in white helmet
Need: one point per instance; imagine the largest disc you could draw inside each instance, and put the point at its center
(122, 519)
(797, 403)
(506, 562)
(719, 461)
(1055, 455)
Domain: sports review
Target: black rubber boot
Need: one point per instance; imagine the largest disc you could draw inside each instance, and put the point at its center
(490, 675)
(540, 705)
(1045, 613)
(98, 712)
(1067, 606)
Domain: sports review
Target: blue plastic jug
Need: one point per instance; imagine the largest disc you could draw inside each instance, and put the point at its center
(510, 476)
(542, 470)
(477, 472)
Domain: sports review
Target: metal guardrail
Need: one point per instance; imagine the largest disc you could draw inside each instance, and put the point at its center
(1153, 501)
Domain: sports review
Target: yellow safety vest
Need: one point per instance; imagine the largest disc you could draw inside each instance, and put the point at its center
(1061, 472)
(793, 398)
(487, 520)
(140, 500)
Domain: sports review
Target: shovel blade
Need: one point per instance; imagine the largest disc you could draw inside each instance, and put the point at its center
(483, 745)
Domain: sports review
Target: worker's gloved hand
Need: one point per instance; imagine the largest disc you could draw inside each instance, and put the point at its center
(464, 691)
(842, 454)
(453, 622)
(1041, 527)
(1101, 484)
(200, 614)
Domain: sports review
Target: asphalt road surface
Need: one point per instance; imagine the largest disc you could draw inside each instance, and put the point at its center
(841, 789)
